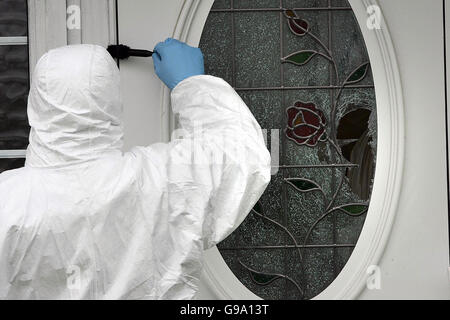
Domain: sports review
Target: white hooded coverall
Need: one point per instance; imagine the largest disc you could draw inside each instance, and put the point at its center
(83, 220)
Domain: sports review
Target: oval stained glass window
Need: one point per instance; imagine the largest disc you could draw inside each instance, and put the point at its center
(303, 69)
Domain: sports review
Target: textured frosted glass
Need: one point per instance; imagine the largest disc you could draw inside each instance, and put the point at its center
(305, 3)
(257, 49)
(256, 3)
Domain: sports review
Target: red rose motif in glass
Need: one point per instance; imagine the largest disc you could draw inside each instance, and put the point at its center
(297, 25)
(306, 124)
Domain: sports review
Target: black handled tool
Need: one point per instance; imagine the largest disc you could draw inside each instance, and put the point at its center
(121, 51)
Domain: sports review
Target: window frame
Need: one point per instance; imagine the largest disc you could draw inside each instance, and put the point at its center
(16, 41)
(369, 249)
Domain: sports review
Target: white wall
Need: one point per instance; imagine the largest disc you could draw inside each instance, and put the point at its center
(416, 260)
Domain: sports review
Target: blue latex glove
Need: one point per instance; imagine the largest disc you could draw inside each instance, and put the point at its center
(175, 61)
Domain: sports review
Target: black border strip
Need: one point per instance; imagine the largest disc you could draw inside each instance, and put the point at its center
(28, 43)
(446, 118)
(117, 28)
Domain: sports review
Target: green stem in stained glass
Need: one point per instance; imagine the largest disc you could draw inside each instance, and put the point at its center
(352, 209)
(285, 229)
(263, 278)
(301, 58)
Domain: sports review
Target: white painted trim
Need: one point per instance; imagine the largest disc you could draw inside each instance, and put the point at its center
(98, 22)
(447, 60)
(448, 274)
(11, 154)
(74, 35)
(390, 159)
(46, 28)
(12, 41)
(47, 25)
(186, 20)
(388, 177)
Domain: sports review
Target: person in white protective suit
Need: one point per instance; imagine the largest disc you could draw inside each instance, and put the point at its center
(84, 220)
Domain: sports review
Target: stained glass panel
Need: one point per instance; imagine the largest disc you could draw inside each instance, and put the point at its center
(303, 69)
(255, 4)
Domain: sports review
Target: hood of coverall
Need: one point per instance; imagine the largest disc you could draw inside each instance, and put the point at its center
(74, 107)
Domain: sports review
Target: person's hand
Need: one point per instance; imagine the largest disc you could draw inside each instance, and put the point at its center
(175, 61)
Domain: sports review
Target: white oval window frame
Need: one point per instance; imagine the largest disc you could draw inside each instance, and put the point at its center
(389, 168)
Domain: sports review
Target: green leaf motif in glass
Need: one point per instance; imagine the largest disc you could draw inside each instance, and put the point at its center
(359, 74)
(354, 209)
(263, 279)
(300, 58)
(303, 185)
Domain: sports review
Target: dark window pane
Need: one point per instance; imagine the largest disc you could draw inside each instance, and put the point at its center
(14, 88)
(9, 164)
(13, 18)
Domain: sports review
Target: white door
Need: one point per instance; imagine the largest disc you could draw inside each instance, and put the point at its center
(142, 25)
(403, 247)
